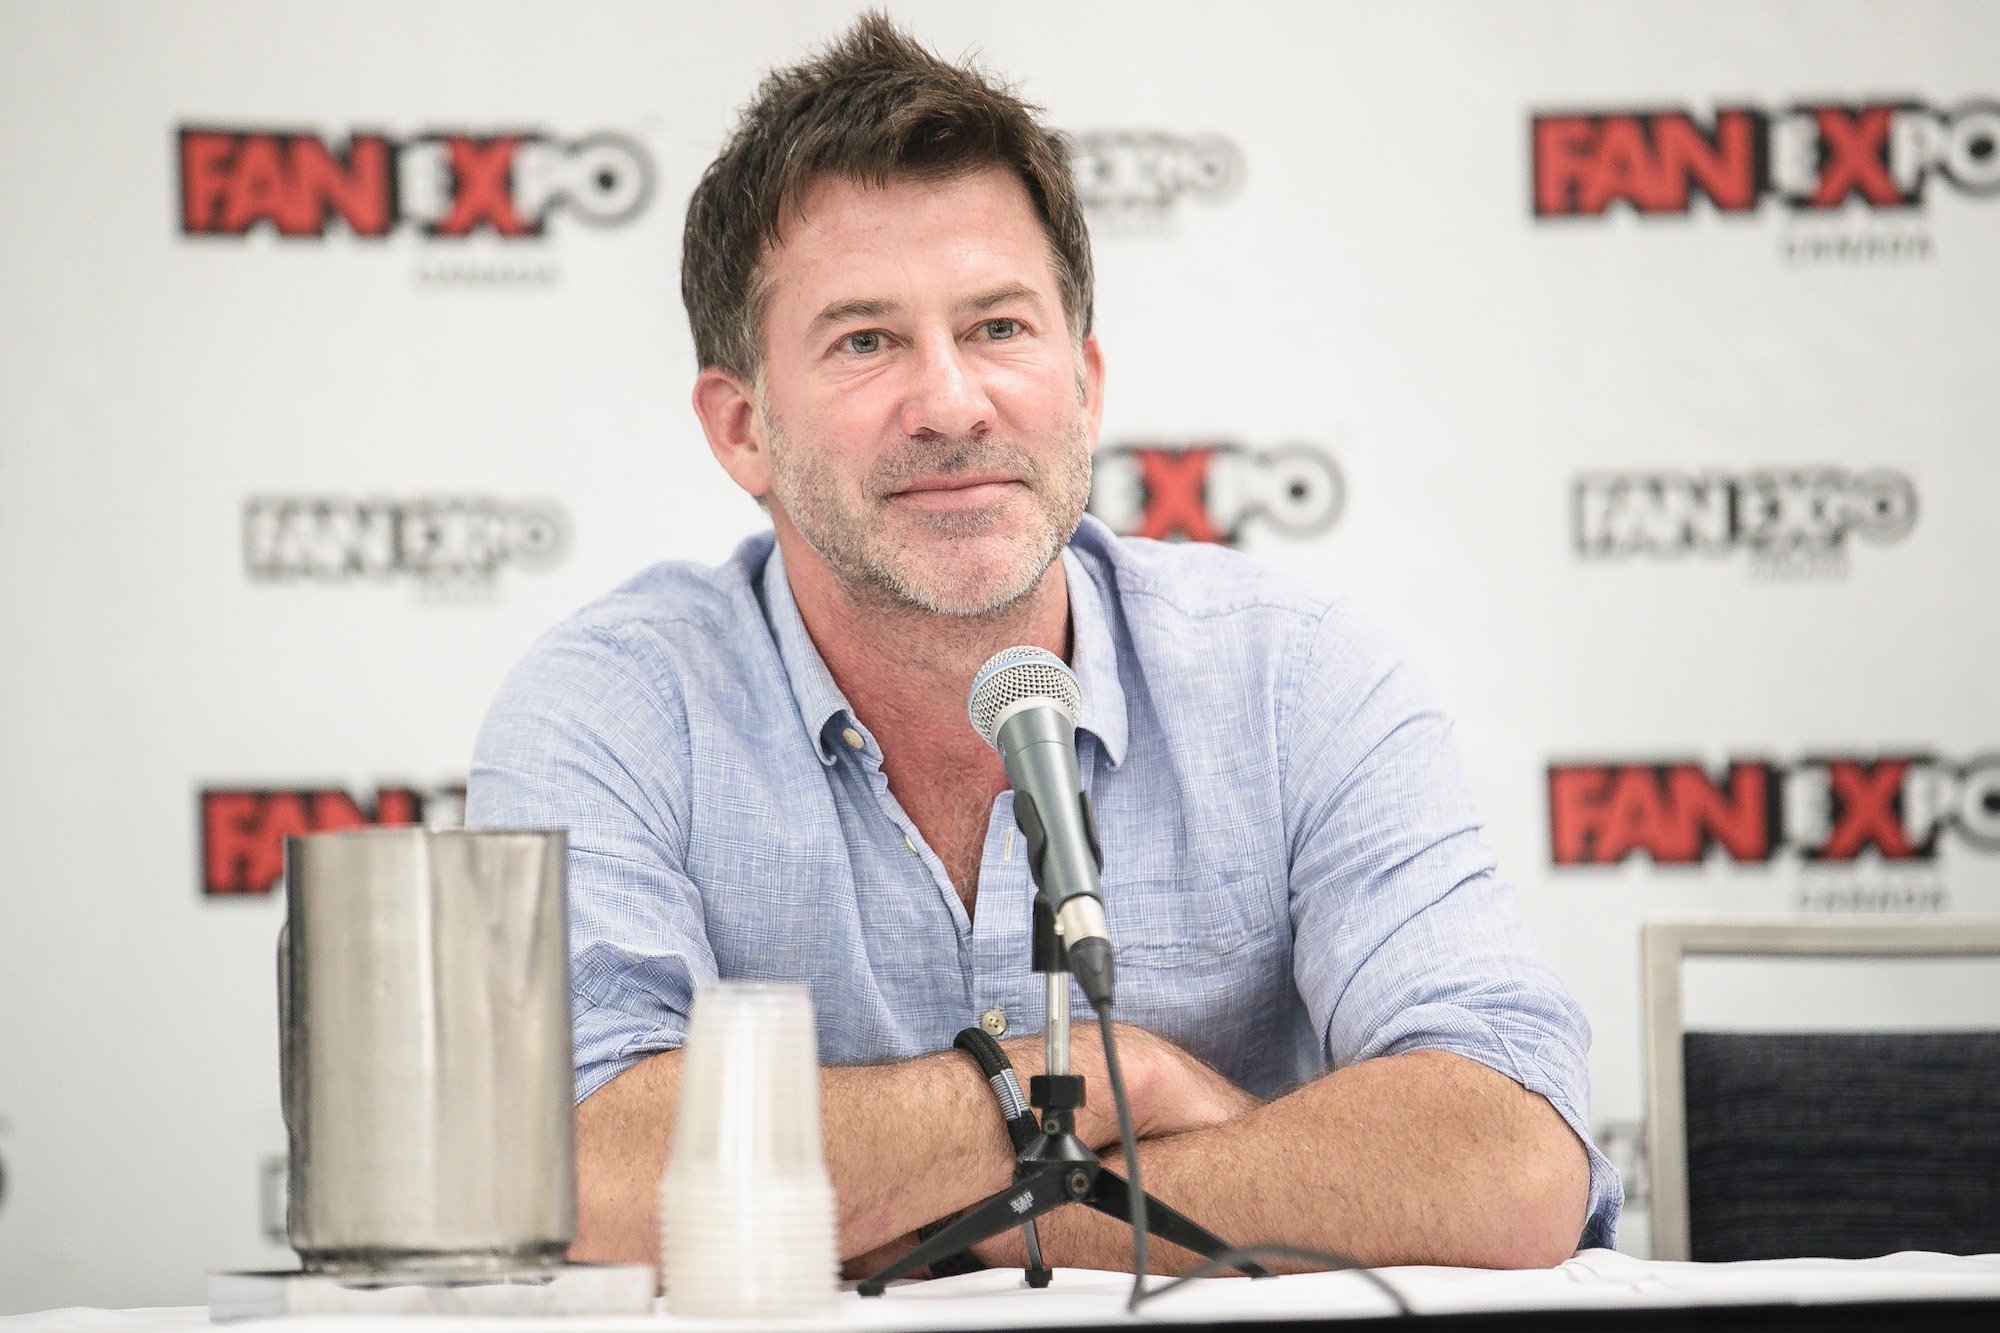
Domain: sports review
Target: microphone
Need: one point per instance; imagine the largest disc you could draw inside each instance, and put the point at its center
(1024, 703)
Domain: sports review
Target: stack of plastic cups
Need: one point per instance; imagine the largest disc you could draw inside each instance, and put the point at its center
(746, 1209)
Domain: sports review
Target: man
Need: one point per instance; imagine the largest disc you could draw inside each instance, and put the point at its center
(1336, 1031)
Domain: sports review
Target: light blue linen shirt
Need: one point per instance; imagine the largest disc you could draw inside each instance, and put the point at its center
(1293, 874)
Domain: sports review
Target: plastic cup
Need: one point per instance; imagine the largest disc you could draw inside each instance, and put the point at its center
(746, 1208)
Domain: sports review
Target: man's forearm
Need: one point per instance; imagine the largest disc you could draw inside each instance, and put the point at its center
(1417, 1158)
(905, 1144)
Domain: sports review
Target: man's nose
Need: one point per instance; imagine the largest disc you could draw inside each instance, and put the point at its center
(946, 396)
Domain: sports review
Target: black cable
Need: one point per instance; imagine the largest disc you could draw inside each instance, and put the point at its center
(1130, 1140)
(1229, 1259)
(1339, 1263)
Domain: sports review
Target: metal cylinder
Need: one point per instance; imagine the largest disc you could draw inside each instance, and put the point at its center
(1055, 1032)
(423, 984)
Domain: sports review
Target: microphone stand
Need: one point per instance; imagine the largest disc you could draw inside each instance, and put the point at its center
(1055, 1168)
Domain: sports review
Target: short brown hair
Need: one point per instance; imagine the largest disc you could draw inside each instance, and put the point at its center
(873, 106)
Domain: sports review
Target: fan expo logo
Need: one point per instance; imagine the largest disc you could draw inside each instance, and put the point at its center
(1133, 180)
(243, 829)
(1884, 158)
(443, 544)
(1216, 492)
(1791, 523)
(445, 186)
(1827, 810)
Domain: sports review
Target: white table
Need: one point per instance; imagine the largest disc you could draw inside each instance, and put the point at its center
(1593, 1280)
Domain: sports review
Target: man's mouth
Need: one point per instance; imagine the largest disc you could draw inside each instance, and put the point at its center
(958, 490)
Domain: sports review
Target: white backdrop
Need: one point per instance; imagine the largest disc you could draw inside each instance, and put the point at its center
(276, 512)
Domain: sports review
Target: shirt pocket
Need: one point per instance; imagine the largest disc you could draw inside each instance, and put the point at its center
(1190, 918)
(1205, 961)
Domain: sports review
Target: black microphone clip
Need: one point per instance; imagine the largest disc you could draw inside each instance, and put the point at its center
(1089, 959)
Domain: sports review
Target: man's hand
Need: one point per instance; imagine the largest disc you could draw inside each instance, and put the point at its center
(1171, 1091)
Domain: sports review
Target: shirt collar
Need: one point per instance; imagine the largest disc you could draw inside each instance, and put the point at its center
(1094, 659)
(820, 700)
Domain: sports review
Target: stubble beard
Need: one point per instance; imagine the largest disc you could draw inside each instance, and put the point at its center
(878, 564)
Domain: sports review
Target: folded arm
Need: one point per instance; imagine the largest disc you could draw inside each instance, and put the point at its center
(906, 1143)
(1419, 1158)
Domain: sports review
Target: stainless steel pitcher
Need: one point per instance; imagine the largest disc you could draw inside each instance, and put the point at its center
(423, 997)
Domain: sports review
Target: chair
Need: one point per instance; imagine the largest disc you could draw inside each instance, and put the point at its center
(1765, 1145)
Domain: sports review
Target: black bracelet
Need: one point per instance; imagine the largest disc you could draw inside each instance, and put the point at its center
(1014, 1113)
(999, 1071)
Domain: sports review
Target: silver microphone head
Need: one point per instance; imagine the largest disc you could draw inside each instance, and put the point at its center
(1014, 676)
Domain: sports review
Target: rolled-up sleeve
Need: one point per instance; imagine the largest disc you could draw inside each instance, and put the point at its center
(1406, 938)
(548, 756)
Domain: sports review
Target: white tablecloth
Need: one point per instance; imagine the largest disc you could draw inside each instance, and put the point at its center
(1595, 1279)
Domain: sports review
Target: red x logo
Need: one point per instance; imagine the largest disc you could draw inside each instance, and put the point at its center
(1176, 489)
(1866, 799)
(1856, 157)
(482, 173)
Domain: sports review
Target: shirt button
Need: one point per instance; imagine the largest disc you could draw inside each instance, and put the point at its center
(994, 1021)
(852, 737)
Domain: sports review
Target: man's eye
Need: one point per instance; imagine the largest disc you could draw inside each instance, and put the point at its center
(862, 343)
(1001, 329)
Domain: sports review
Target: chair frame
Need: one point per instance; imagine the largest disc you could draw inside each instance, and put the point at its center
(1666, 942)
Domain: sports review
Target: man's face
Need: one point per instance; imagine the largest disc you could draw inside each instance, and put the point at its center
(928, 420)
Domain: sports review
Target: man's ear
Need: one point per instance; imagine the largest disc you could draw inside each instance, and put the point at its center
(735, 428)
(1093, 385)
